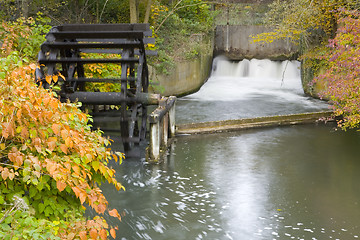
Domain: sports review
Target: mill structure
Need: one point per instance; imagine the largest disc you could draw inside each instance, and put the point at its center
(68, 52)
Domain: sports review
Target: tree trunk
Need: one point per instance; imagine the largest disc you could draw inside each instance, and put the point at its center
(147, 13)
(133, 11)
(25, 8)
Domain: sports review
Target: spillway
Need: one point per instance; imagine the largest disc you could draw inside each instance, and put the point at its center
(246, 89)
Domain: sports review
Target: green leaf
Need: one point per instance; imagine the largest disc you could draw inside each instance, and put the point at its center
(27, 163)
(48, 211)
(34, 181)
(40, 185)
(32, 191)
(37, 167)
(41, 207)
(2, 201)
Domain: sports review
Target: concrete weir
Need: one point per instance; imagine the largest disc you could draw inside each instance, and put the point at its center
(235, 42)
(241, 124)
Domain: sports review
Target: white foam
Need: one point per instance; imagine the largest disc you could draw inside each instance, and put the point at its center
(231, 81)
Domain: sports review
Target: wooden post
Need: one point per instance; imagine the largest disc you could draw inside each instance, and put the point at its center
(172, 117)
(164, 123)
(154, 146)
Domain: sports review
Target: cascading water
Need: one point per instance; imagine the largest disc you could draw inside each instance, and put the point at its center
(245, 89)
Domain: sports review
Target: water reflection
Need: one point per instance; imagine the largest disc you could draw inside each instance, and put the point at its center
(280, 183)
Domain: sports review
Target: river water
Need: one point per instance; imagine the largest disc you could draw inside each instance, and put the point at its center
(295, 182)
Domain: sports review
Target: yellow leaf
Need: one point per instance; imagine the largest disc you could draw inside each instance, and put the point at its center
(55, 78)
(48, 79)
(60, 75)
(95, 165)
(52, 139)
(11, 175)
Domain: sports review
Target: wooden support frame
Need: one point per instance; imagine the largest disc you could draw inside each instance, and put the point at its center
(162, 129)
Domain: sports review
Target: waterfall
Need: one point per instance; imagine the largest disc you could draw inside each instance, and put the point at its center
(231, 80)
(248, 88)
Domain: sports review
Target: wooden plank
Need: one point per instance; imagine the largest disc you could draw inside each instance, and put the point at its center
(118, 51)
(112, 80)
(104, 27)
(110, 98)
(77, 45)
(89, 61)
(97, 34)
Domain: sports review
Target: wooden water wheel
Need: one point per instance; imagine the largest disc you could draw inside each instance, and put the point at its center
(69, 48)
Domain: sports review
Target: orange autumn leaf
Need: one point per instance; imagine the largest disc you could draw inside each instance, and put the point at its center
(5, 173)
(103, 234)
(76, 169)
(68, 142)
(51, 167)
(56, 128)
(33, 66)
(64, 134)
(64, 148)
(93, 233)
(24, 133)
(114, 213)
(54, 104)
(60, 185)
(101, 208)
(82, 235)
(82, 197)
(76, 190)
(113, 233)
(51, 146)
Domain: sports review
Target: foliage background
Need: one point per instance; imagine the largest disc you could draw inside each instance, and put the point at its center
(51, 163)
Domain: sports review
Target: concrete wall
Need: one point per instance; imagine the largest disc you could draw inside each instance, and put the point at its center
(235, 42)
(187, 77)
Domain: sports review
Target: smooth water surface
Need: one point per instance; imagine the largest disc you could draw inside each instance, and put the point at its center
(299, 182)
(296, 182)
(247, 89)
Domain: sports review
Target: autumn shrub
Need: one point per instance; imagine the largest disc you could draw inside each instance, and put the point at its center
(23, 36)
(297, 19)
(342, 76)
(51, 162)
